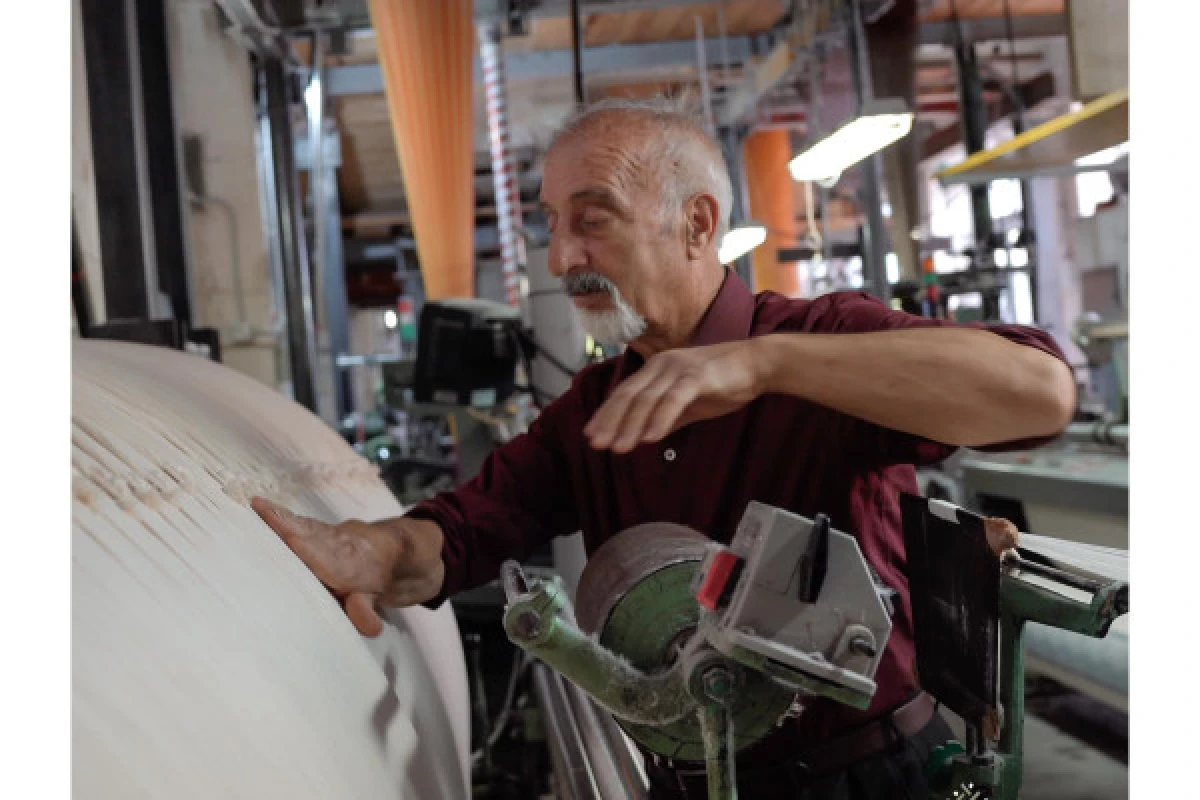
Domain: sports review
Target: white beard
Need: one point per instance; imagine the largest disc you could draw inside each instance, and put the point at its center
(619, 326)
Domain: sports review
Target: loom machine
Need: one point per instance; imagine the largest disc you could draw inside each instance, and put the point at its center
(208, 662)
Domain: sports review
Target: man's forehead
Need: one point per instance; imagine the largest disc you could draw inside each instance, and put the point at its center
(592, 167)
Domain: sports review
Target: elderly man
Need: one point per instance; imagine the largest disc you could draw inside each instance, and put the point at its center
(722, 397)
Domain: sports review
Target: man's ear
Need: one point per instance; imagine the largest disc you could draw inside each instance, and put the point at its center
(700, 229)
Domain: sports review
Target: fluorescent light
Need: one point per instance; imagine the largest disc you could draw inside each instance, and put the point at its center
(741, 240)
(864, 136)
(1106, 157)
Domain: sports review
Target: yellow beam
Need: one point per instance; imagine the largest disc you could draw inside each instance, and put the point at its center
(1057, 143)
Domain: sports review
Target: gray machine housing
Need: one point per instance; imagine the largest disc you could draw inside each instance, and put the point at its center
(839, 638)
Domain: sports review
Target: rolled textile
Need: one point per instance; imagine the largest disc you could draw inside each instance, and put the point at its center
(207, 661)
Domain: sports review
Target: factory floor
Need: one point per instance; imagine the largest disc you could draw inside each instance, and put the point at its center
(1075, 748)
(1060, 767)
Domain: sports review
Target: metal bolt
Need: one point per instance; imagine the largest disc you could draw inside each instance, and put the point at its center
(862, 647)
(718, 683)
(528, 624)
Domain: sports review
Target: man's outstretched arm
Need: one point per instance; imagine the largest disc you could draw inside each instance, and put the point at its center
(957, 385)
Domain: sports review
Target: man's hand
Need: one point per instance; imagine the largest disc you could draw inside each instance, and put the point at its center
(676, 388)
(395, 562)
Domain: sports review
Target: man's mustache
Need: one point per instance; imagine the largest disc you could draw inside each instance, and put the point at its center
(588, 283)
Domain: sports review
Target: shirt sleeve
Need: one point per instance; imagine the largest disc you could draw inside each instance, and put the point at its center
(859, 312)
(520, 500)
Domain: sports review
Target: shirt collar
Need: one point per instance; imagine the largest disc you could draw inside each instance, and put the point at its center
(727, 319)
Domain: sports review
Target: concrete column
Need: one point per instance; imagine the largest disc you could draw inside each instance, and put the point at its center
(426, 51)
(772, 203)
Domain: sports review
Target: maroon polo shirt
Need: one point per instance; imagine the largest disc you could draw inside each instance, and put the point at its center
(778, 450)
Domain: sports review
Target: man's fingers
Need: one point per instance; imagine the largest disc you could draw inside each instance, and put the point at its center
(606, 423)
(284, 522)
(360, 608)
(638, 414)
(669, 413)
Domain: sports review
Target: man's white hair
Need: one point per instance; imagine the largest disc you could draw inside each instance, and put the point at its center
(676, 119)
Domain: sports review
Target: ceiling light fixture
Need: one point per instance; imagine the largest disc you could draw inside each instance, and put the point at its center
(741, 240)
(881, 123)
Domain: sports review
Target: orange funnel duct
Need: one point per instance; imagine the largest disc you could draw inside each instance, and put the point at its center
(772, 202)
(426, 52)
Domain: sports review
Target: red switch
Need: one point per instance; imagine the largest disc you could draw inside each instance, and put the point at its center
(718, 578)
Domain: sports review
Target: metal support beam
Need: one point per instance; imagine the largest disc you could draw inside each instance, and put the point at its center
(368, 79)
(875, 232)
(731, 146)
(297, 286)
(1030, 26)
(974, 127)
(164, 179)
(111, 90)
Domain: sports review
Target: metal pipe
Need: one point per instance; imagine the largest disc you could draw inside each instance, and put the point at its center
(726, 67)
(297, 284)
(577, 53)
(875, 260)
(504, 171)
(243, 331)
(974, 128)
(562, 734)
(1104, 433)
(702, 71)
(138, 113)
(614, 777)
(314, 105)
(628, 758)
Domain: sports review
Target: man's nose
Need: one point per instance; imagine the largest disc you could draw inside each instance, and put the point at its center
(565, 252)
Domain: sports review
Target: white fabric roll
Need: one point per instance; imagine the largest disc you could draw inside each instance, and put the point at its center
(207, 661)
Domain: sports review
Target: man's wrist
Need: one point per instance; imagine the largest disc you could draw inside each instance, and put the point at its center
(770, 357)
(418, 567)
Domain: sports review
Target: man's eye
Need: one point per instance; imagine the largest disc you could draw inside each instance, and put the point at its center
(594, 220)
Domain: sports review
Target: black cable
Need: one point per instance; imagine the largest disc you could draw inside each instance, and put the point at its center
(544, 353)
(515, 335)
(1012, 55)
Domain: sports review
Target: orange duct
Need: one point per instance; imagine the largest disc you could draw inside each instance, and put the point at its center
(772, 202)
(426, 51)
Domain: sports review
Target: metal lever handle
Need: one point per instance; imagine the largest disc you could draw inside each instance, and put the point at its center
(513, 581)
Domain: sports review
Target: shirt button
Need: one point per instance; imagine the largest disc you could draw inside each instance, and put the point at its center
(669, 454)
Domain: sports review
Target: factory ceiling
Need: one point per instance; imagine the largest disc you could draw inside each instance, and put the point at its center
(641, 47)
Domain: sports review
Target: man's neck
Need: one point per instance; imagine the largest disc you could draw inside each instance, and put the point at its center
(688, 310)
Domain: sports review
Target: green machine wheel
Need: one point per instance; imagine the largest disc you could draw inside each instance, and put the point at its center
(636, 596)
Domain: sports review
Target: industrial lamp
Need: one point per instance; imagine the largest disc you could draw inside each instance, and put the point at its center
(881, 123)
(741, 240)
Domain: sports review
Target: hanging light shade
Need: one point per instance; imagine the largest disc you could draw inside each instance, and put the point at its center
(426, 51)
(882, 124)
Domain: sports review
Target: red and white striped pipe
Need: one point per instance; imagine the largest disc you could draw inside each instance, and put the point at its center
(504, 170)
